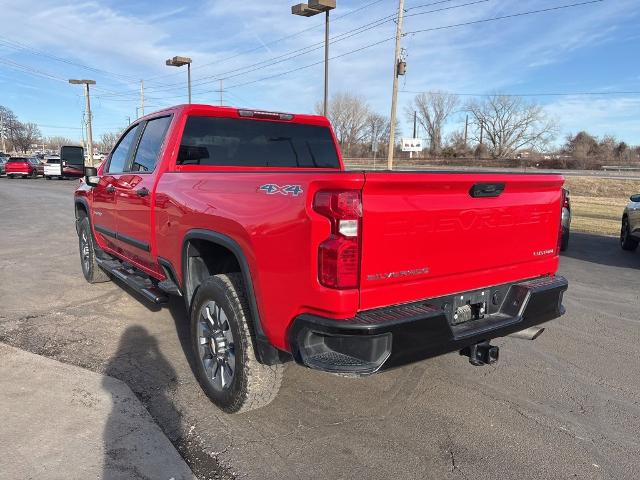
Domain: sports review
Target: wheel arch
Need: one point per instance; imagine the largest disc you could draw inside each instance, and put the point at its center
(81, 207)
(193, 273)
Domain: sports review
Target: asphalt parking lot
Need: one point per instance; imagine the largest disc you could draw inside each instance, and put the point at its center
(564, 406)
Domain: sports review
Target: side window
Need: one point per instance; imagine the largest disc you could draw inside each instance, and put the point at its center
(150, 144)
(121, 153)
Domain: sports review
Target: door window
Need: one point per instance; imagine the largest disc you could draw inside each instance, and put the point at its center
(150, 144)
(121, 153)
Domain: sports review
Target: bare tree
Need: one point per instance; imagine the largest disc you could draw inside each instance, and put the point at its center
(107, 141)
(348, 114)
(457, 145)
(433, 109)
(24, 135)
(378, 129)
(54, 143)
(509, 123)
(10, 128)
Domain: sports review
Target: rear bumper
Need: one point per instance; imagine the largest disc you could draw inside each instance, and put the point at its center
(385, 338)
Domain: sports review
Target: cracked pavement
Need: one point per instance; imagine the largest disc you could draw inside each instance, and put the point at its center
(565, 405)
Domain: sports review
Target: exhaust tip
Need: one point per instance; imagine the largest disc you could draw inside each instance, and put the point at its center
(528, 333)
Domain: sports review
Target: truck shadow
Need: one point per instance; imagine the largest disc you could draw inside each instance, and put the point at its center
(139, 363)
(601, 250)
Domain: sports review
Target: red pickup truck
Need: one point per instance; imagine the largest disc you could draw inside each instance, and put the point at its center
(279, 253)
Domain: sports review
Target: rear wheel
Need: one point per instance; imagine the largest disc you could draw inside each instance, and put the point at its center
(226, 365)
(564, 243)
(90, 269)
(34, 174)
(627, 242)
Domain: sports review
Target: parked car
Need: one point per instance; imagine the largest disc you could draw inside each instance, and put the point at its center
(69, 164)
(630, 230)
(3, 161)
(52, 167)
(279, 253)
(21, 166)
(36, 162)
(566, 219)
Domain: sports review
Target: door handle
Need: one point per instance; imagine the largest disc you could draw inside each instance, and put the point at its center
(110, 189)
(142, 192)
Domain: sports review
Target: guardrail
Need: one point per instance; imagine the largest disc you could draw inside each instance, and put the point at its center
(621, 168)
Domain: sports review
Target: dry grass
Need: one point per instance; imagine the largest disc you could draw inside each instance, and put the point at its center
(597, 203)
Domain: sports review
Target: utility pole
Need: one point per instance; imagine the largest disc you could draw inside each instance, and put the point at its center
(394, 95)
(4, 146)
(142, 97)
(415, 118)
(86, 83)
(128, 120)
(466, 127)
(221, 92)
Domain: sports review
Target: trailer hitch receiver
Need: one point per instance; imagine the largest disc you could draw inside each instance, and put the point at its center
(482, 353)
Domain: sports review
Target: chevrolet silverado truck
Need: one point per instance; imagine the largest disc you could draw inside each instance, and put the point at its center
(279, 253)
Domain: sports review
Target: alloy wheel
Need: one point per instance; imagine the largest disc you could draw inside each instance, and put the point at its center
(216, 346)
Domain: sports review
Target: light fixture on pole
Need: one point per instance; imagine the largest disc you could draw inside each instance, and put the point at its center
(180, 62)
(86, 83)
(315, 7)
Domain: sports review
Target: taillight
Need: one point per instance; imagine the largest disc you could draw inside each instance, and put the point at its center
(339, 255)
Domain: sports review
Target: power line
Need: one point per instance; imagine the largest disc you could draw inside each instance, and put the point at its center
(545, 94)
(272, 42)
(504, 17)
(21, 46)
(475, 22)
(308, 49)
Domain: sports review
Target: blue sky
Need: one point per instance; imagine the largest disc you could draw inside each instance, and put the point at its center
(590, 48)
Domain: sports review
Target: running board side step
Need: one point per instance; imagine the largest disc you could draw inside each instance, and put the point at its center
(144, 286)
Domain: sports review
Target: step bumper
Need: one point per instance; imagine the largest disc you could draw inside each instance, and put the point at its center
(386, 338)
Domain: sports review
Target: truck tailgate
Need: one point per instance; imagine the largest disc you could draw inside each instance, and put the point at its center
(426, 235)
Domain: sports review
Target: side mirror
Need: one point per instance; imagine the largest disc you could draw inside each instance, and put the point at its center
(91, 177)
(635, 198)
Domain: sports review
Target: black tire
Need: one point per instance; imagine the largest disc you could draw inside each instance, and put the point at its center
(627, 242)
(564, 243)
(25, 176)
(60, 177)
(227, 346)
(90, 269)
(47, 178)
(34, 174)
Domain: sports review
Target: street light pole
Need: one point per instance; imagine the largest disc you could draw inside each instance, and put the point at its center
(309, 10)
(325, 108)
(394, 96)
(180, 62)
(86, 83)
(189, 79)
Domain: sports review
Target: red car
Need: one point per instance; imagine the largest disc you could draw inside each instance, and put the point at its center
(279, 253)
(21, 166)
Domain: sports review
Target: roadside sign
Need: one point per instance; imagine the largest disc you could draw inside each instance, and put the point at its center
(411, 144)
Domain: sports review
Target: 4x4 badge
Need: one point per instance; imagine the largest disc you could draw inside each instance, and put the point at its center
(272, 189)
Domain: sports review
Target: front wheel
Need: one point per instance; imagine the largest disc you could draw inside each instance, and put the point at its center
(226, 366)
(627, 242)
(90, 268)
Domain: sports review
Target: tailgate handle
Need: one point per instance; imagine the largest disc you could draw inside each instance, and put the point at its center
(480, 190)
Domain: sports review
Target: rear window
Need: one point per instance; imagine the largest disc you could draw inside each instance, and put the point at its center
(53, 161)
(255, 143)
(17, 160)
